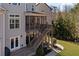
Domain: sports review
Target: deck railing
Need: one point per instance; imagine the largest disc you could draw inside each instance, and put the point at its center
(38, 27)
(39, 37)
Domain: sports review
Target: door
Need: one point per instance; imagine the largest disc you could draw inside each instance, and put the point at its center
(27, 40)
(15, 43)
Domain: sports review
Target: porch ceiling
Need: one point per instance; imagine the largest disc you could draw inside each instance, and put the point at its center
(35, 14)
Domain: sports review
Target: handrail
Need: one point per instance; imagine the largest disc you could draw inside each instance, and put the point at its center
(38, 42)
(36, 37)
(40, 39)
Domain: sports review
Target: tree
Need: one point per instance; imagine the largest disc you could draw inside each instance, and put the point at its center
(65, 26)
(75, 13)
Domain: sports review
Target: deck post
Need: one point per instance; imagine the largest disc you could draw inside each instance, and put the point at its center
(29, 30)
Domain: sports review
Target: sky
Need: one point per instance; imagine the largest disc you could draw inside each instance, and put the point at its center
(39, 1)
(57, 4)
(61, 5)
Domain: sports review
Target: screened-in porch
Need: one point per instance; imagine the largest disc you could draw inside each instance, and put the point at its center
(35, 21)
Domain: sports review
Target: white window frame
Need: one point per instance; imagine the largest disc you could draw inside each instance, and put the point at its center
(15, 48)
(15, 18)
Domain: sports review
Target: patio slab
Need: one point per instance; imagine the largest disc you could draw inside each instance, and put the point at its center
(23, 52)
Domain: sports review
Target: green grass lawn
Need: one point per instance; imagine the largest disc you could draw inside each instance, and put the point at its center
(70, 48)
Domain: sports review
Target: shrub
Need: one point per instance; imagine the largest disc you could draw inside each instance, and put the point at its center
(46, 50)
(7, 51)
(40, 51)
(55, 41)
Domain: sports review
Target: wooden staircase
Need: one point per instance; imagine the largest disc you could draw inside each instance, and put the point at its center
(39, 38)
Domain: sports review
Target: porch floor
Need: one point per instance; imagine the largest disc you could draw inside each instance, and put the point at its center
(25, 51)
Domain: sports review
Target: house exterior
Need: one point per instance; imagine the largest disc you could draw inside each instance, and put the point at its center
(43, 7)
(20, 22)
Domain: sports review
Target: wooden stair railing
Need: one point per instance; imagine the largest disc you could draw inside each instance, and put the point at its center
(37, 35)
(37, 41)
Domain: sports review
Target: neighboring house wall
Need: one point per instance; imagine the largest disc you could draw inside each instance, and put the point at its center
(42, 7)
(2, 33)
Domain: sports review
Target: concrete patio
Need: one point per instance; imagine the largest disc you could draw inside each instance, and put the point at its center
(30, 52)
(23, 52)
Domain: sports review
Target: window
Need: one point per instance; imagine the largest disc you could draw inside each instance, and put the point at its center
(12, 43)
(18, 3)
(11, 15)
(32, 8)
(16, 15)
(9, 3)
(14, 3)
(11, 23)
(14, 21)
(16, 42)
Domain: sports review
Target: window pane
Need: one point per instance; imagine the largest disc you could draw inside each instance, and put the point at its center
(12, 43)
(16, 21)
(17, 26)
(11, 21)
(16, 42)
(14, 3)
(16, 15)
(11, 26)
(11, 15)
